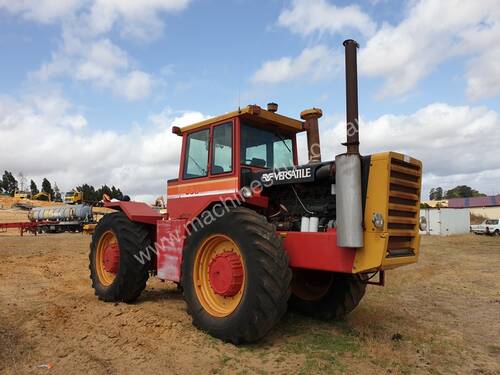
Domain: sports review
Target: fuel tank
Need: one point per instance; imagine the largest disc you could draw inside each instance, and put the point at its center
(79, 212)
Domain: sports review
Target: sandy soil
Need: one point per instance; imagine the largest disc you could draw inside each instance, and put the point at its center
(440, 316)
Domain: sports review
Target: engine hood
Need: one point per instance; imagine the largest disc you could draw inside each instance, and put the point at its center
(293, 175)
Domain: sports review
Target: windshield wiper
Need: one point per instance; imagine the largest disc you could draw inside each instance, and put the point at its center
(199, 166)
(283, 140)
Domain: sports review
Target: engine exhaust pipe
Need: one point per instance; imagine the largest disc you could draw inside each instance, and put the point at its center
(311, 116)
(351, 94)
(348, 166)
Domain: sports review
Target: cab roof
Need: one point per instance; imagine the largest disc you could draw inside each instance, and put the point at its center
(253, 113)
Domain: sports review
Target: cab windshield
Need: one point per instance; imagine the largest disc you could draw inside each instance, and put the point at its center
(264, 148)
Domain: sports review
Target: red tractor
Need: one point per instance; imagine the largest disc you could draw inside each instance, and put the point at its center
(250, 232)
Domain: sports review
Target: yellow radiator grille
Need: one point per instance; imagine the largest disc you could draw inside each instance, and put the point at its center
(404, 207)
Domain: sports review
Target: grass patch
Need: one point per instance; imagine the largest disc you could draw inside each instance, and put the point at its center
(224, 359)
(494, 349)
(323, 350)
(323, 342)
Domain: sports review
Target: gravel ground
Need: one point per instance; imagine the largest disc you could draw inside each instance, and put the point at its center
(440, 316)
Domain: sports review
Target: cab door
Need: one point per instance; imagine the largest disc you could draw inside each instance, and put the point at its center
(207, 171)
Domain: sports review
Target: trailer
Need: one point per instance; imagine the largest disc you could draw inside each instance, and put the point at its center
(54, 219)
(65, 218)
(27, 226)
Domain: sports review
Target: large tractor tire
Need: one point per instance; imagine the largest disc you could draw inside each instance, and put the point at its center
(116, 274)
(325, 295)
(235, 277)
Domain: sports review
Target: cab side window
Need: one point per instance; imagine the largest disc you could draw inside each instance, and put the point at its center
(196, 163)
(222, 157)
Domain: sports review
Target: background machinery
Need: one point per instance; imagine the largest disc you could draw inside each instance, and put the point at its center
(62, 218)
(249, 231)
(73, 197)
(42, 196)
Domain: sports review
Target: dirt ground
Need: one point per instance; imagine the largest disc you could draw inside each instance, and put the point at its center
(440, 316)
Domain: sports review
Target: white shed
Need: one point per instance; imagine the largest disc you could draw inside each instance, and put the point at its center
(446, 221)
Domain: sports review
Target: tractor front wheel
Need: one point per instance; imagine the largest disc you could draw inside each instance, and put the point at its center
(235, 277)
(325, 295)
(117, 269)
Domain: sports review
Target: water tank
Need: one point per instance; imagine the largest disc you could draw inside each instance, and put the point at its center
(79, 212)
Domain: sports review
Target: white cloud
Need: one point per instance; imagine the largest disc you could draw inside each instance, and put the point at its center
(136, 19)
(306, 17)
(483, 74)
(85, 53)
(432, 32)
(76, 122)
(455, 143)
(44, 11)
(313, 63)
(135, 85)
(53, 141)
(100, 62)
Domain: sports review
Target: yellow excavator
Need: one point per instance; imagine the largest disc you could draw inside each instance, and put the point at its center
(42, 196)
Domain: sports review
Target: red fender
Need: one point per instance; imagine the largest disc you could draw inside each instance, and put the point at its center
(139, 212)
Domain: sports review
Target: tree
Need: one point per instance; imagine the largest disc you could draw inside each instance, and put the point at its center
(103, 190)
(21, 182)
(89, 193)
(57, 192)
(116, 193)
(47, 187)
(33, 188)
(463, 191)
(436, 194)
(9, 183)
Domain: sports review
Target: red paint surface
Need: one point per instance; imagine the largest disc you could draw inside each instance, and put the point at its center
(190, 207)
(226, 274)
(318, 251)
(170, 236)
(136, 211)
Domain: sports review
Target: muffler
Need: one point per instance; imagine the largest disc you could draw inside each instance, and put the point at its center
(349, 206)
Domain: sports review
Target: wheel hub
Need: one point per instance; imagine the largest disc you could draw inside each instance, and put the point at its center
(226, 274)
(111, 258)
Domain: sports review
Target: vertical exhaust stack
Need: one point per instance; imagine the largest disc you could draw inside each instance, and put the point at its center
(311, 116)
(348, 166)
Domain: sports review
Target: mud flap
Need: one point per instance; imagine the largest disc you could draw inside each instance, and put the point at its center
(170, 238)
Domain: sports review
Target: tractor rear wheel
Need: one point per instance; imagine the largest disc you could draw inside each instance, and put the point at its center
(235, 277)
(116, 274)
(325, 295)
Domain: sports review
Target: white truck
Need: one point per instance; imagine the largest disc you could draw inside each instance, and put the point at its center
(490, 226)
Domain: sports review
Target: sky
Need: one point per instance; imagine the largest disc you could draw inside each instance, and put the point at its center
(89, 89)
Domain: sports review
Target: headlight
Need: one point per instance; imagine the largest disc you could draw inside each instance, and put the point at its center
(246, 192)
(378, 220)
(423, 224)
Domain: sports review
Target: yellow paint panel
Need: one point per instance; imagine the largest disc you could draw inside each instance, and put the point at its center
(251, 112)
(373, 255)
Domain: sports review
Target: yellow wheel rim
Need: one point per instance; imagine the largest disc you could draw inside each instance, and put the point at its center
(107, 239)
(215, 304)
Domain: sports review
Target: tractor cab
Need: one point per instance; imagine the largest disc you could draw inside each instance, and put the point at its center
(221, 154)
